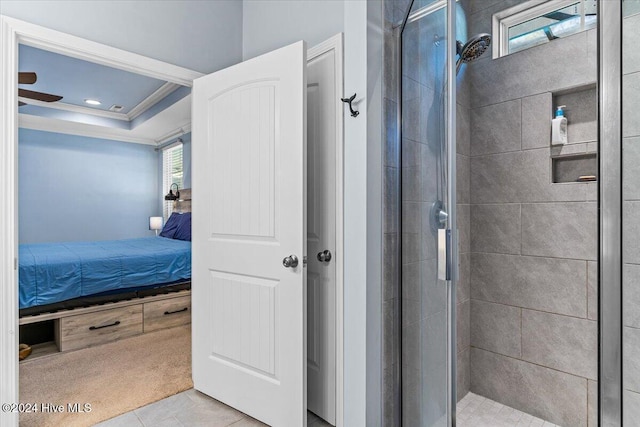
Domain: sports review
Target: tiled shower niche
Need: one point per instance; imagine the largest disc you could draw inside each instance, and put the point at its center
(577, 160)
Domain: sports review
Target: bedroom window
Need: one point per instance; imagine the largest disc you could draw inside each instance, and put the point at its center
(172, 173)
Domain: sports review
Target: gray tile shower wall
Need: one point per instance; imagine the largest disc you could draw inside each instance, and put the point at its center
(464, 327)
(553, 285)
(463, 297)
(631, 219)
(574, 55)
(533, 243)
(545, 393)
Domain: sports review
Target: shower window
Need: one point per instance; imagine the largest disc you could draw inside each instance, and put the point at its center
(534, 22)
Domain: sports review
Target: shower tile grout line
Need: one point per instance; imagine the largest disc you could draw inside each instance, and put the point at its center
(534, 309)
(528, 255)
(540, 203)
(534, 363)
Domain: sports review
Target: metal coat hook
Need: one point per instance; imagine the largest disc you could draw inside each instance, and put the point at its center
(349, 101)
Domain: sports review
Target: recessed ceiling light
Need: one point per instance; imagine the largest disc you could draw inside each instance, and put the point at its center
(92, 101)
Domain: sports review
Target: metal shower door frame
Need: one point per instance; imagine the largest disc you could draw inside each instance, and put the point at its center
(452, 225)
(610, 407)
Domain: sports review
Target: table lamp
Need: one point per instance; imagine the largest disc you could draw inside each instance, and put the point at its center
(155, 223)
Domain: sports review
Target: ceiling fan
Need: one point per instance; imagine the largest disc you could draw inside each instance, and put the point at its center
(30, 78)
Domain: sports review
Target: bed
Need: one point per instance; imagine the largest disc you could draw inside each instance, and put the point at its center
(78, 294)
(67, 275)
(62, 276)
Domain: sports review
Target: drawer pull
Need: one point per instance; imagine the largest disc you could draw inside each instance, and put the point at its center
(176, 311)
(93, 328)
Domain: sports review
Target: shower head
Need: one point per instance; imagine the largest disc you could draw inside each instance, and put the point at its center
(472, 49)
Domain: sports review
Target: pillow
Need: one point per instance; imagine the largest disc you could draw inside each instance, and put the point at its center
(169, 229)
(183, 232)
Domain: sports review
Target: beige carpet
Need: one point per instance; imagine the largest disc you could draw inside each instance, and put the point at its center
(114, 378)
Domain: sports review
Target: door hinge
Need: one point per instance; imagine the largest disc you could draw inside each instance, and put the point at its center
(15, 263)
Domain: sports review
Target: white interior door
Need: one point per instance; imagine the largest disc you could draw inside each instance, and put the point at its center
(322, 110)
(249, 214)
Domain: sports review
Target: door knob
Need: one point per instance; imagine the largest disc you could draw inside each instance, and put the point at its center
(324, 256)
(290, 262)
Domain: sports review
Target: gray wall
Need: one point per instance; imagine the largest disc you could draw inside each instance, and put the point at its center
(631, 213)
(533, 243)
(271, 24)
(201, 35)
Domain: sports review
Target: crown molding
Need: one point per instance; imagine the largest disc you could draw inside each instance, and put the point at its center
(142, 106)
(152, 100)
(165, 126)
(47, 124)
(75, 109)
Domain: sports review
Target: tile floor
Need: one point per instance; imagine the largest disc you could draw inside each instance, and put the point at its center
(191, 408)
(477, 411)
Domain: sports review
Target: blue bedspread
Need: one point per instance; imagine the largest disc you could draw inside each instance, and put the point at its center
(54, 272)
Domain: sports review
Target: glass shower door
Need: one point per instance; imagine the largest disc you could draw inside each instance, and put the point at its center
(428, 209)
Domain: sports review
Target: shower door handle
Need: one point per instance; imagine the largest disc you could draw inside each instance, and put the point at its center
(444, 254)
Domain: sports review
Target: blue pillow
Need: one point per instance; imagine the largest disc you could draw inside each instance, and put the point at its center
(183, 232)
(170, 228)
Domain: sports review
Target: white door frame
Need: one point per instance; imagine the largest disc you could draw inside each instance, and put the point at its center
(335, 43)
(14, 32)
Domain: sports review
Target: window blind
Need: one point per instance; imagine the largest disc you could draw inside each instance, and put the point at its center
(172, 173)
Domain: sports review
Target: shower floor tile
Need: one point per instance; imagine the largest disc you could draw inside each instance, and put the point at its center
(477, 411)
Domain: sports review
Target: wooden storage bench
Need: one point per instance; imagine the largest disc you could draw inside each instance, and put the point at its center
(89, 326)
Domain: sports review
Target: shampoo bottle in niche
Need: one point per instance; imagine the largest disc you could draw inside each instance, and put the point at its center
(559, 127)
